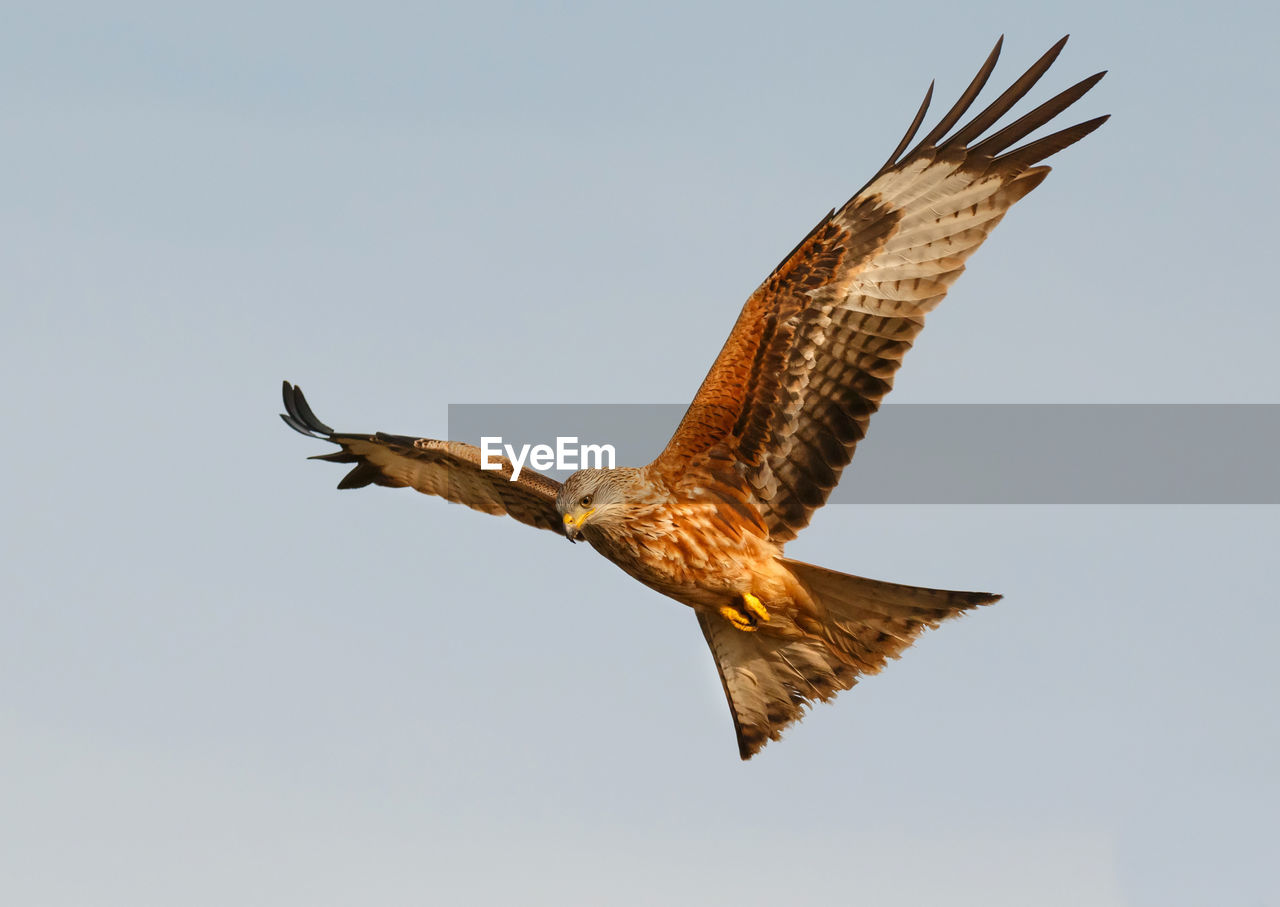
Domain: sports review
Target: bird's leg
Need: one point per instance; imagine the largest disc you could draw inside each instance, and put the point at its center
(747, 617)
(755, 606)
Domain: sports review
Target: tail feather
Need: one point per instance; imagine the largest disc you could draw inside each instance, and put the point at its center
(846, 593)
(871, 621)
(770, 680)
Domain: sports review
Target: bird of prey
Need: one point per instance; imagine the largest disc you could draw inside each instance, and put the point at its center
(774, 423)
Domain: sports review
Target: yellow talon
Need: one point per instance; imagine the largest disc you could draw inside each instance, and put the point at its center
(748, 616)
(738, 619)
(755, 606)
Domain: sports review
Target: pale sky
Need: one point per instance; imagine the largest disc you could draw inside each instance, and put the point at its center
(224, 682)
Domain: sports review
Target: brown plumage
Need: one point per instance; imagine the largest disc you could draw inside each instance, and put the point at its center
(775, 422)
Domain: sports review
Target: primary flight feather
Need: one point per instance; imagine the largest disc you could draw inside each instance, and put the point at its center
(774, 423)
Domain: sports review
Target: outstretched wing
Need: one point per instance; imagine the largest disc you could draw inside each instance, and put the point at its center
(447, 469)
(816, 347)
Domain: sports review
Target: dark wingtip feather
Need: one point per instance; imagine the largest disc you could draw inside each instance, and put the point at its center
(991, 147)
(965, 101)
(1011, 95)
(1037, 151)
(1028, 123)
(911, 130)
(300, 416)
(296, 425)
(307, 415)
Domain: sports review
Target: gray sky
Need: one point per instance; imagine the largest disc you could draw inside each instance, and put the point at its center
(224, 682)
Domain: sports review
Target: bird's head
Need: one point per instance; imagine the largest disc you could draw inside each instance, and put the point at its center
(589, 498)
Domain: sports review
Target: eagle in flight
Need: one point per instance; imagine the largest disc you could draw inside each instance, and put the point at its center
(774, 423)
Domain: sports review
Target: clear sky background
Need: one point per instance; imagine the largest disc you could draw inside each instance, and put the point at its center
(223, 682)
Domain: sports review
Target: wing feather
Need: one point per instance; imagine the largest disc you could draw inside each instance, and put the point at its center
(447, 469)
(817, 346)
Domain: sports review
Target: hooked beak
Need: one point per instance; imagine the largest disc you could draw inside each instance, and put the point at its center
(573, 524)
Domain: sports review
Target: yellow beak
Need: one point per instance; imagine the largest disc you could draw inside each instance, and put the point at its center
(573, 524)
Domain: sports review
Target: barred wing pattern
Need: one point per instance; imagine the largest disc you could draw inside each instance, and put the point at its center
(817, 346)
(447, 469)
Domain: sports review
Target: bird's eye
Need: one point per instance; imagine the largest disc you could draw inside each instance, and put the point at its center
(585, 502)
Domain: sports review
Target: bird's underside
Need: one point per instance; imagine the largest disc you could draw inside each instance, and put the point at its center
(775, 422)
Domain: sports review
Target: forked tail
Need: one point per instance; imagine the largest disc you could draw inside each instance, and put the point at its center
(870, 621)
(770, 680)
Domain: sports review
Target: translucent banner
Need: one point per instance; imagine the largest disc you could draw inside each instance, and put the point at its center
(953, 454)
